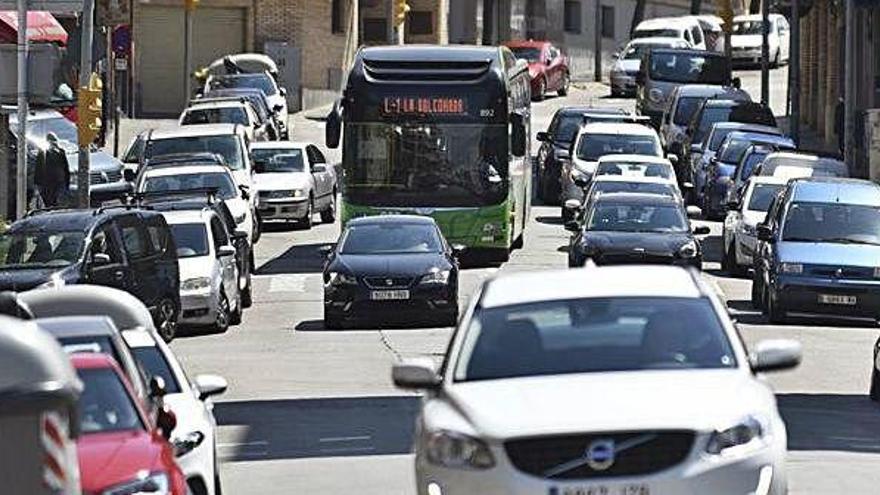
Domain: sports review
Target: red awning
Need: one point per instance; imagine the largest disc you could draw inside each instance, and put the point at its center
(42, 26)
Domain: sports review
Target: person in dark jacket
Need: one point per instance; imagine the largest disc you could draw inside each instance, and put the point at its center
(52, 174)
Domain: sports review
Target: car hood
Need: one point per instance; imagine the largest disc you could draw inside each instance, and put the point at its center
(281, 181)
(237, 206)
(753, 218)
(628, 64)
(397, 265)
(197, 266)
(746, 41)
(108, 459)
(629, 242)
(701, 400)
(99, 161)
(584, 165)
(826, 253)
(25, 279)
(242, 177)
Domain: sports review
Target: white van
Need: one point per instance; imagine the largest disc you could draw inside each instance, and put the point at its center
(686, 28)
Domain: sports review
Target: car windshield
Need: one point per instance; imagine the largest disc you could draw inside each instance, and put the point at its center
(710, 117)
(718, 135)
(64, 129)
(567, 128)
(154, 364)
(750, 162)
(229, 115)
(735, 149)
(425, 164)
(391, 238)
(747, 27)
(528, 53)
(29, 249)
(685, 67)
(191, 239)
(228, 146)
(633, 187)
(278, 160)
(832, 222)
(597, 335)
(263, 82)
(687, 107)
(763, 195)
(192, 182)
(657, 33)
(635, 169)
(594, 146)
(615, 217)
(105, 404)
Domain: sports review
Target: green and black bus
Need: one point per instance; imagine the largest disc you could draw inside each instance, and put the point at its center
(441, 131)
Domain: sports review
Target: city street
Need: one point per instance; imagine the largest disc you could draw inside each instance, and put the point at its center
(314, 411)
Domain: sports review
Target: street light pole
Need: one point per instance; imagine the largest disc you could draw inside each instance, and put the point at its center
(597, 43)
(85, 72)
(21, 160)
(187, 49)
(794, 73)
(765, 52)
(849, 91)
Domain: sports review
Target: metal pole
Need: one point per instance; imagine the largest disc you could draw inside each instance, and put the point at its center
(849, 92)
(400, 33)
(85, 71)
(21, 161)
(5, 173)
(765, 52)
(187, 52)
(597, 43)
(794, 71)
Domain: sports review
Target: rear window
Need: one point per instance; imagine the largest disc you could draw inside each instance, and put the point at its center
(685, 67)
(594, 146)
(763, 196)
(191, 239)
(228, 146)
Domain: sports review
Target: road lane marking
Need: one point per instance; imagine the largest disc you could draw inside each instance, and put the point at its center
(358, 438)
(290, 283)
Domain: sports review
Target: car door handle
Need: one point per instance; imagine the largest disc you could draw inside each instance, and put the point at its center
(118, 275)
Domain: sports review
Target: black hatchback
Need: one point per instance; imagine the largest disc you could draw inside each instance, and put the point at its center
(395, 268)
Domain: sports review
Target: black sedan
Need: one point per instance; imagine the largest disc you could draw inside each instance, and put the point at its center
(624, 228)
(398, 268)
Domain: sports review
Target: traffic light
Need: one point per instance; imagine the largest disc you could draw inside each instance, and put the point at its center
(191, 4)
(400, 10)
(89, 111)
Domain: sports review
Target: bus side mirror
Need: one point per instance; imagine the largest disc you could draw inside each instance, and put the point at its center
(333, 126)
(518, 135)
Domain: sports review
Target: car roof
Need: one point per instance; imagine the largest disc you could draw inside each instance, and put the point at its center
(197, 105)
(387, 219)
(630, 198)
(640, 179)
(634, 158)
(753, 17)
(688, 51)
(740, 126)
(802, 158)
(292, 145)
(526, 43)
(139, 339)
(194, 130)
(185, 170)
(428, 53)
(593, 282)
(657, 40)
(125, 310)
(835, 190)
(662, 22)
(724, 102)
(56, 220)
(175, 217)
(761, 138)
(768, 179)
(78, 326)
(587, 110)
(618, 128)
(712, 91)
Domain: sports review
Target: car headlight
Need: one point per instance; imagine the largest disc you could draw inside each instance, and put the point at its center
(155, 483)
(750, 431)
(337, 278)
(436, 276)
(688, 250)
(458, 451)
(791, 268)
(197, 283)
(298, 193)
(240, 218)
(655, 95)
(187, 443)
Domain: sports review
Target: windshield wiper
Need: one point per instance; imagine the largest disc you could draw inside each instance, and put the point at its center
(847, 240)
(800, 239)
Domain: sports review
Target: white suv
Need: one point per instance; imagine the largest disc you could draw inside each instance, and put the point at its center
(627, 379)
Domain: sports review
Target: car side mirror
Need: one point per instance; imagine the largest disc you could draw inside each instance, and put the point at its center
(245, 191)
(548, 61)
(157, 387)
(673, 158)
(572, 204)
(166, 421)
(563, 155)
(239, 234)
(458, 250)
(333, 126)
(319, 168)
(543, 137)
(100, 259)
(775, 355)
(696, 148)
(641, 77)
(736, 83)
(259, 166)
(416, 374)
(581, 181)
(283, 91)
(694, 211)
(210, 385)
(224, 251)
(733, 204)
(278, 108)
(572, 226)
(687, 186)
(701, 230)
(765, 234)
(128, 174)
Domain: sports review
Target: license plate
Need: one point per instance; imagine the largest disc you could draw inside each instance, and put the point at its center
(839, 300)
(389, 295)
(630, 489)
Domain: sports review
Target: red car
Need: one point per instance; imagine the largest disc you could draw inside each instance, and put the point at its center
(548, 67)
(121, 449)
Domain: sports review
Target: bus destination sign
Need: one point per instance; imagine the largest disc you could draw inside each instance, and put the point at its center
(407, 105)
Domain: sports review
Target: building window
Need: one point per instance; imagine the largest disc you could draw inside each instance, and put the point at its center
(375, 30)
(336, 15)
(420, 22)
(572, 16)
(607, 21)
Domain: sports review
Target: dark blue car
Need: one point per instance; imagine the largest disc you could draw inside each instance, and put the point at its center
(818, 250)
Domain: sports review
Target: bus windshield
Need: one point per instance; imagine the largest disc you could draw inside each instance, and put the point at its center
(426, 164)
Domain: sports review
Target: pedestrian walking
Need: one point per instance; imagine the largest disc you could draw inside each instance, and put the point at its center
(52, 174)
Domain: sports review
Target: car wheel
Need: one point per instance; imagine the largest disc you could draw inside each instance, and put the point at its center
(333, 322)
(566, 214)
(221, 321)
(307, 219)
(218, 489)
(725, 255)
(258, 228)
(166, 319)
(875, 386)
(329, 215)
(235, 316)
(449, 319)
(774, 313)
(549, 191)
(246, 295)
(563, 89)
(542, 89)
(757, 293)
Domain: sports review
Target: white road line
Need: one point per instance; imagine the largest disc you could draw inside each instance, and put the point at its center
(289, 283)
(359, 438)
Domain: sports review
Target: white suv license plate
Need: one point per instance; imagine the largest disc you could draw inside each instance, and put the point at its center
(629, 489)
(838, 300)
(389, 295)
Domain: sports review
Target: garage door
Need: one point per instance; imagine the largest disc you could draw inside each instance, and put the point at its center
(216, 32)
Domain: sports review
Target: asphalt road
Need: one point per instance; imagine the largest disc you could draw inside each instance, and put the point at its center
(314, 411)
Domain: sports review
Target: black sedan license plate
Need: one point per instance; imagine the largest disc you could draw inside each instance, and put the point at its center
(838, 299)
(629, 489)
(389, 295)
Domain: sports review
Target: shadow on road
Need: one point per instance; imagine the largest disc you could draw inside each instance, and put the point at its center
(554, 220)
(712, 249)
(847, 423)
(309, 428)
(303, 258)
(386, 323)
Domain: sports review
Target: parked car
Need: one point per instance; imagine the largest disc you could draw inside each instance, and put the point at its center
(753, 156)
(213, 111)
(636, 166)
(664, 69)
(514, 402)
(209, 282)
(557, 141)
(195, 436)
(739, 235)
(686, 28)
(128, 249)
(684, 101)
(713, 31)
(263, 81)
(788, 165)
(548, 66)
(818, 249)
(746, 40)
(399, 266)
(626, 67)
(596, 140)
(626, 228)
(293, 182)
(122, 448)
(269, 117)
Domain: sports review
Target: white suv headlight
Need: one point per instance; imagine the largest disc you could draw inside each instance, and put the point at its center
(688, 250)
(435, 277)
(155, 484)
(458, 451)
(746, 432)
(197, 283)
